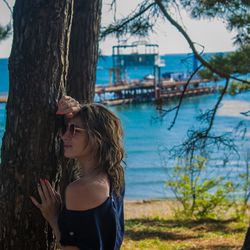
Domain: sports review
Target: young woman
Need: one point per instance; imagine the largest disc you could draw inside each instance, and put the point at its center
(91, 217)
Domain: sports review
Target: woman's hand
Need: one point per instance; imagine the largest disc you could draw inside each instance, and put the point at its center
(68, 106)
(50, 201)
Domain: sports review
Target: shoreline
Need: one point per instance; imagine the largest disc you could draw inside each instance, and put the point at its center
(149, 208)
(149, 200)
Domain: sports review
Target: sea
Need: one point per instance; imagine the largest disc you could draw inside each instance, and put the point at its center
(148, 140)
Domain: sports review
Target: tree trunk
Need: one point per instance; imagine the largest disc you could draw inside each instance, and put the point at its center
(30, 148)
(83, 55)
(84, 49)
(246, 244)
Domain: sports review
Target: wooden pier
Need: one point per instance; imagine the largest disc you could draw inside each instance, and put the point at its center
(145, 91)
(140, 91)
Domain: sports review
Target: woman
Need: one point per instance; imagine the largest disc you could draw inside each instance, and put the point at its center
(92, 215)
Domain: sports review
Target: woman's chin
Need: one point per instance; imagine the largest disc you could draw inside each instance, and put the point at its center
(68, 155)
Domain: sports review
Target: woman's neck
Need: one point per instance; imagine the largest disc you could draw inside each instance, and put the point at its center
(88, 168)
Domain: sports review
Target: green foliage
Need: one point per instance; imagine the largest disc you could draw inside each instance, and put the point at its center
(235, 13)
(200, 198)
(231, 63)
(139, 23)
(237, 87)
(4, 32)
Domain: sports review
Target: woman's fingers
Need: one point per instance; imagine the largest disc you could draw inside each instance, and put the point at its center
(41, 194)
(69, 115)
(50, 189)
(50, 204)
(66, 104)
(64, 98)
(34, 201)
(45, 190)
(72, 103)
(73, 110)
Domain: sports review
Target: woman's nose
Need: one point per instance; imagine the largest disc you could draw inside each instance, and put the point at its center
(66, 135)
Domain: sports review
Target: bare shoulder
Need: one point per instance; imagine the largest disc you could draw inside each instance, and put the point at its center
(82, 196)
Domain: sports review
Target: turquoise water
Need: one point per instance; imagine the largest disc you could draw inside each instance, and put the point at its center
(145, 137)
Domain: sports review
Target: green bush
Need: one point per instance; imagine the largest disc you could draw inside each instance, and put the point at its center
(199, 197)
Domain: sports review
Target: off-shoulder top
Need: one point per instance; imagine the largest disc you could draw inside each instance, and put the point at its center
(99, 228)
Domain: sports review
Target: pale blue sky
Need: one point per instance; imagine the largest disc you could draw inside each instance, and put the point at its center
(211, 34)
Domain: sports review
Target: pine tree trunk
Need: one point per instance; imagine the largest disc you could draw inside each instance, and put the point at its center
(83, 55)
(84, 49)
(30, 147)
(246, 244)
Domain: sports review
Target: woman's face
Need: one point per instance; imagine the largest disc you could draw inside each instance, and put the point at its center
(76, 139)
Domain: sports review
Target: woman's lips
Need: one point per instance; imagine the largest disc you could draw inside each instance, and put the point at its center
(67, 146)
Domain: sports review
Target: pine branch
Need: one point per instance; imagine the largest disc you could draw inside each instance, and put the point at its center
(177, 107)
(191, 44)
(8, 6)
(113, 28)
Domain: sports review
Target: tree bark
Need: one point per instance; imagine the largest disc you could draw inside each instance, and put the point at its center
(246, 244)
(84, 49)
(83, 55)
(30, 148)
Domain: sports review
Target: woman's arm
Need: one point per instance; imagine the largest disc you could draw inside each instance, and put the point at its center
(56, 231)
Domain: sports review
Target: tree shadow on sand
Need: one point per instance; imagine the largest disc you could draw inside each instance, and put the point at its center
(163, 229)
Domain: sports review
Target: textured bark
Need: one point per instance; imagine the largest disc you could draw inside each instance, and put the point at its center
(84, 49)
(83, 55)
(246, 245)
(30, 147)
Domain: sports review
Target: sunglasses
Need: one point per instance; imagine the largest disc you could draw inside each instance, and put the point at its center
(71, 128)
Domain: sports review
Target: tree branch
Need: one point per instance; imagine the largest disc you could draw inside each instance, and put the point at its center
(177, 108)
(8, 6)
(224, 90)
(191, 44)
(182, 96)
(246, 113)
(114, 28)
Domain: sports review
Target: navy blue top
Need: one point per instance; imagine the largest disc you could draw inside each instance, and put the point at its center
(99, 228)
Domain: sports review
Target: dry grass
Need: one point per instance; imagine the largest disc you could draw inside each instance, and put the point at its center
(151, 225)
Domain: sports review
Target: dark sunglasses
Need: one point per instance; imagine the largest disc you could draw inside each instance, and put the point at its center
(72, 128)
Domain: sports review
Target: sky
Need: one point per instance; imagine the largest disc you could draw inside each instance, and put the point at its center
(213, 34)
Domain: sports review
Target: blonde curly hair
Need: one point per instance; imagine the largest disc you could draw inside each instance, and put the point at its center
(106, 129)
